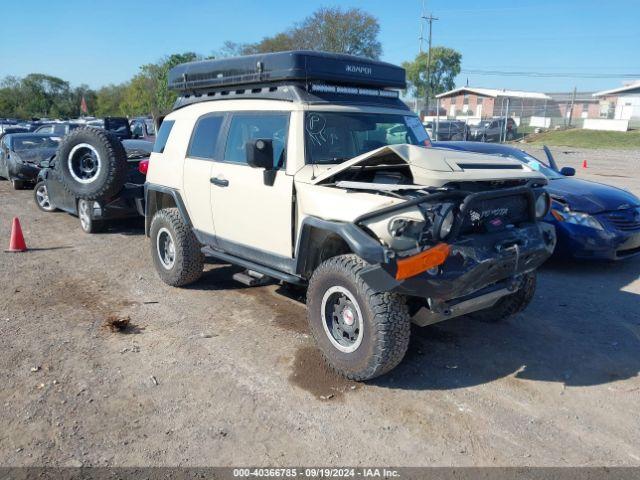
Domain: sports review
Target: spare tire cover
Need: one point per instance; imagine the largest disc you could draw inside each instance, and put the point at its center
(92, 163)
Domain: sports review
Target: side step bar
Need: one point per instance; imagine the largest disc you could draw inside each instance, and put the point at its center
(249, 265)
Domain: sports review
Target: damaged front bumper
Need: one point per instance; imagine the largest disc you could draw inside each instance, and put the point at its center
(475, 262)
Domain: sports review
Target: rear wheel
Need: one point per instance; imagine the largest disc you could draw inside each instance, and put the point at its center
(361, 333)
(175, 249)
(41, 196)
(511, 304)
(85, 214)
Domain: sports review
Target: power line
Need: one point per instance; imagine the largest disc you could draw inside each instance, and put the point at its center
(503, 73)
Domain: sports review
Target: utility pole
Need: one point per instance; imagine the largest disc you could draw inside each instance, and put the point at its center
(570, 111)
(421, 37)
(430, 19)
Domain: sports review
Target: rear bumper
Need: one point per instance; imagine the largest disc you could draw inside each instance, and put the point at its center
(475, 262)
(128, 203)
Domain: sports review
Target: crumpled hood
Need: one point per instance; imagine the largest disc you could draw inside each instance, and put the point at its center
(438, 166)
(36, 155)
(591, 197)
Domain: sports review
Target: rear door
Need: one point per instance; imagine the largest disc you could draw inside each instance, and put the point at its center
(204, 149)
(252, 218)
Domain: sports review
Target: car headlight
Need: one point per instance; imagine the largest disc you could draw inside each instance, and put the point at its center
(576, 218)
(405, 227)
(542, 204)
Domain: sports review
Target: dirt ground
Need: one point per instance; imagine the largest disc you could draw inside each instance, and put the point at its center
(218, 374)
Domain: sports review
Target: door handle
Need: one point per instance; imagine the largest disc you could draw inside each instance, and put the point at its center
(220, 182)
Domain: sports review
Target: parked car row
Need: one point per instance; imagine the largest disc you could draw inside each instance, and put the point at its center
(490, 130)
(31, 160)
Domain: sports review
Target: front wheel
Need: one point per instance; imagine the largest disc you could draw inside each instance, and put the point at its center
(511, 304)
(87, 222)
(175, 249)
(41, 196)
(361, 333)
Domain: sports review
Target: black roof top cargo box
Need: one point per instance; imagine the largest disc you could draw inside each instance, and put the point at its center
(301, 67)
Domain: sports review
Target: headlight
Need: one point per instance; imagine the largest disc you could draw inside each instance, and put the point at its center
(405, 227)
(446, 225)
(542, 205)
(577, 218)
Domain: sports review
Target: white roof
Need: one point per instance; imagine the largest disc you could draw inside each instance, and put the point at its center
(631, 86)
(494, 92)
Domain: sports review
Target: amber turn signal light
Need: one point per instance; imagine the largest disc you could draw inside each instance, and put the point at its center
(423, 261)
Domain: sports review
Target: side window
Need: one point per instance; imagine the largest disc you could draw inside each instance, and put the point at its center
(163, 136)
(205, 137)
(246, 127)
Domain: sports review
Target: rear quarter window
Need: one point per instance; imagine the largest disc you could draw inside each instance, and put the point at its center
(205, 137)
(163, 136)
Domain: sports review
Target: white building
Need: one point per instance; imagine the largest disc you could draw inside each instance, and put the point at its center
(621, 103)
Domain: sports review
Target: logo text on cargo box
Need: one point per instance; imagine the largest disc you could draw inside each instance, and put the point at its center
(362, 70)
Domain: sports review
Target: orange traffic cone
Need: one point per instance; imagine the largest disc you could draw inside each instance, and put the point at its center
(17, 243)
(584, 164)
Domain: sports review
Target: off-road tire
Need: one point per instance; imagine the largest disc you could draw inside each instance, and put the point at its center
(17, 184)
(511, 304)
(112, 159)
(41, 202)
(385, 318)
(188, 258)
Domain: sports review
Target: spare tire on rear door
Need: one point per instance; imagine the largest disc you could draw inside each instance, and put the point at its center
(92, 163)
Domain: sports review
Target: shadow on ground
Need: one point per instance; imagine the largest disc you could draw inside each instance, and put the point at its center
(583, 328)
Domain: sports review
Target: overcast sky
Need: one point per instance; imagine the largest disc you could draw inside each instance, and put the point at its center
(101, 42)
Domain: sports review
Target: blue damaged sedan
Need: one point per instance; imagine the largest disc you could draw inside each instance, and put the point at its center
(592, 220)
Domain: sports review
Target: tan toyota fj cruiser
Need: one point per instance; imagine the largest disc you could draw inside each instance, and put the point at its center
(306, 167)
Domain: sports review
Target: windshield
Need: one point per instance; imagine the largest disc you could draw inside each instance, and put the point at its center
(333, 137)
(27, 143)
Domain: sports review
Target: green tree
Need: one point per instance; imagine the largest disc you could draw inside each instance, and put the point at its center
(351, 31)
(44, 96)
(445, 66)
(109, 100)
(148, 92)
(9, 96)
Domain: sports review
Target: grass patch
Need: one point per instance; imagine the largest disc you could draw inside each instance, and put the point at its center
(579, 138)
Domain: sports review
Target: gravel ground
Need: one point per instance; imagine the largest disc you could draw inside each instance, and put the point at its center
(217, 374)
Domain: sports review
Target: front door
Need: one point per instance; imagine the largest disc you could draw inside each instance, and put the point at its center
(253, 218)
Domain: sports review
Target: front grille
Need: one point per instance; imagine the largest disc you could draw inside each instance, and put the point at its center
(495, 214)
(625, 220)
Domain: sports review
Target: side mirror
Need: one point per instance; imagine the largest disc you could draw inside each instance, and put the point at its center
(260, 153)
(568, 171)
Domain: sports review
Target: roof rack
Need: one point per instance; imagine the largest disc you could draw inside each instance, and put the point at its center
(294, 67)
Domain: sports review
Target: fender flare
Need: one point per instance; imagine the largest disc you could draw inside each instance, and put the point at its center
(151, 191)
(360, 243)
